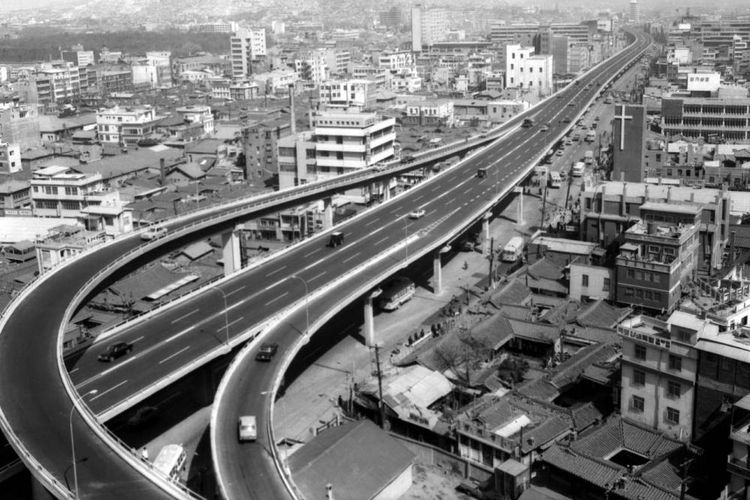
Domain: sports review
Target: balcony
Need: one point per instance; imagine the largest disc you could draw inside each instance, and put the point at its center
(741, 431)
(346, 147)
(738, 468)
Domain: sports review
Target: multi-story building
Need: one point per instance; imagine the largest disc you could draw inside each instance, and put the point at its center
(312, 67)
(225, 89)
(247, 47)
(217, 65)
(430, 113)
(15, 198)
(162, 61)
(338, 61)
(635, 12)
(711, 118)
(277, 81)
(62, 192)
(19, 124)
(428, 26)
(524, 34)
(396, 61)
(198, 114)
(525, 70)
(10, 158)
(79, 58)
(659, 256)
(346, 93)
(609, 208)
(260, 143)
(216, 27)
(738, 463)
(57, 83)
(114, 79)
(125, 125)
(659, 371)
(341, 142)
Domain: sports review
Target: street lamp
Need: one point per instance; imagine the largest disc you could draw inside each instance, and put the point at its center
(307, 303)
(72, 438)
(226, 312)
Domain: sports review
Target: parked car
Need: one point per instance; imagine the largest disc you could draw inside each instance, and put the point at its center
(266, 352)
(116, 350)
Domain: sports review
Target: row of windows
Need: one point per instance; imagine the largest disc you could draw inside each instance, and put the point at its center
(674, 389)
(671, 415)
(642, 294)
(639, 275)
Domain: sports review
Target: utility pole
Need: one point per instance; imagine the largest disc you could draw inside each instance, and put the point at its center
(380, 386)
(491, 258)
(544, 202)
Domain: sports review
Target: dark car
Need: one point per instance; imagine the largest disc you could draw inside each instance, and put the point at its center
(144, 416)
(115, 351)
(266, 352)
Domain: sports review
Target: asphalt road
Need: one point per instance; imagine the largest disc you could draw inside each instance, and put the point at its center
(245, 469)
(33, 397)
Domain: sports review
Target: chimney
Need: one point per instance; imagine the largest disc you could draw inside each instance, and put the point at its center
(292, 118)
(162, 171)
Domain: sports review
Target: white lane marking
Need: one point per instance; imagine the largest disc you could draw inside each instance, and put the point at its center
(223, 329)
(381, 240)
(177, 320)
(316, 276)
(275, 271)
(277, 298)
(175, 354)
(313, 252)
(372, 222)
(229, 294)
(419, 197)
(108, 390)
(71, 372)
(139, 338)
(350, 258)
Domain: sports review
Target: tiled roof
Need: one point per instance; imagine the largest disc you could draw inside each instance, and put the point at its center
(535, 331)
(621, 433)
(492, 332)
(601, 314)
(565, 312)
(541, 389)
(585, 416)
(514, 293)
(544, 268)
(547, 431)
(591, 470)
(572, 368)
(516, 312)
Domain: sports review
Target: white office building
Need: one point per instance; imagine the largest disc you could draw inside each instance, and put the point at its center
(525, 70)
(247, 46)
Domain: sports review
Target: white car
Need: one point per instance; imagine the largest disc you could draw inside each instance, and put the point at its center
(153, 233)
(416, 214)
(247, 428)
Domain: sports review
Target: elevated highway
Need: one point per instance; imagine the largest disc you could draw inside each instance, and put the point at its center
(40, 409)
(452, 201)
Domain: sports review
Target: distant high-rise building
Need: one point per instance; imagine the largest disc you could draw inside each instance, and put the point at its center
(635, 11)
(428, 26)
(416, 28)
(247, 47)
(393, 18)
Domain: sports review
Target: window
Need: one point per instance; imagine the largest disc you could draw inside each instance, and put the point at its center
(640, 352)
(675, 362)
(672, 416)
(638, 404)
(605, 285)
(639, 377)
(673, 390)
(585, 280)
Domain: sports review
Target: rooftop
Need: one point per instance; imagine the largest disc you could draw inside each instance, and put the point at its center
(358, 458)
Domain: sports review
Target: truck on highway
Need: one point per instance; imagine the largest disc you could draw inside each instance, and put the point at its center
(512, 250)
(396, 292)
(527, 122)
(588, 157)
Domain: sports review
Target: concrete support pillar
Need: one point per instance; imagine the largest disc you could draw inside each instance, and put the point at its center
(519, 217)
(230, 242)
(437, 270)
(327, 213)
(369, 320)
(39, 492)
(486, 231)
(386, 190)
